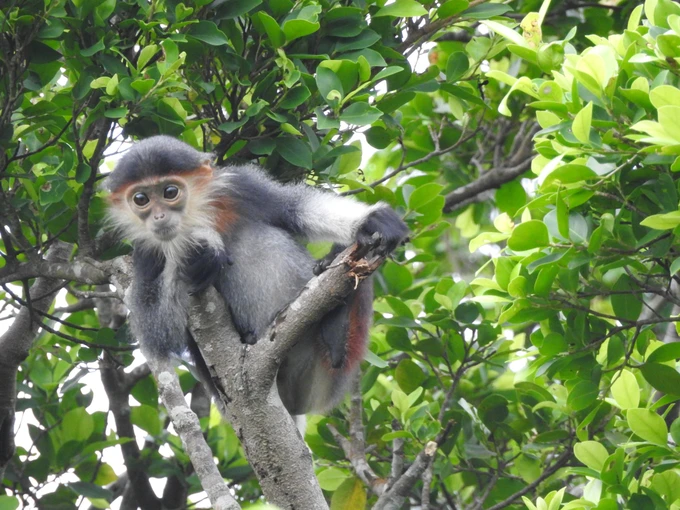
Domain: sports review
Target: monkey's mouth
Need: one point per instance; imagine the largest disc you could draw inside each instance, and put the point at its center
(165, 233)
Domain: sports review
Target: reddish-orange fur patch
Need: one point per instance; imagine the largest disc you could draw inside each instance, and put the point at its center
(358, 333)
(225, 216)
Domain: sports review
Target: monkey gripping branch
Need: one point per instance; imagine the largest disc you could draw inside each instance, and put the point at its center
(246, 378)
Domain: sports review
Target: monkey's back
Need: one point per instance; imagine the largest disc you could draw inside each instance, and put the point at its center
(269, 270)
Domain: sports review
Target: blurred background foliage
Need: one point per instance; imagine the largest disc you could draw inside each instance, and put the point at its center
(529, 325)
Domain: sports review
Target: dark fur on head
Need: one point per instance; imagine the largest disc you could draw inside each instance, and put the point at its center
(155, 157)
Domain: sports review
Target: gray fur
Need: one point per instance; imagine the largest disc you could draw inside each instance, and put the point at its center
(259, 263)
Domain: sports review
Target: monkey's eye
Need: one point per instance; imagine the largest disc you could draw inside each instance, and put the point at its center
(140, 199)
(170, 192)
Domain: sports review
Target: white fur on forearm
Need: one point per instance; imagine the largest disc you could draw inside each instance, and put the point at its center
(328, 217)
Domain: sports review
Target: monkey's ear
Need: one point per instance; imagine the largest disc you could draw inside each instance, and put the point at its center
(208, 159)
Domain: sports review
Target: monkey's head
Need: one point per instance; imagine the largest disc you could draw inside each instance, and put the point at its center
(160, 192)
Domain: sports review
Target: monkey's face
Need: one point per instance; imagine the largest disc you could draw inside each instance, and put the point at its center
(160, 206)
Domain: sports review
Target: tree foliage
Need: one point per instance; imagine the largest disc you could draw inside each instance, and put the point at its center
(528, 328)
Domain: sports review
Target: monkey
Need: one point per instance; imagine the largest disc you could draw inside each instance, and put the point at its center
(193, 225)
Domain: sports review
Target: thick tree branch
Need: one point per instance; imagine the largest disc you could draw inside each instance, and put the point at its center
(79, 270)
(189, 429)
(246, 375)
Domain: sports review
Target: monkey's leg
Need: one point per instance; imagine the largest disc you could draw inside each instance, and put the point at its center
(315, 375)
(324, 263)
(344, 330)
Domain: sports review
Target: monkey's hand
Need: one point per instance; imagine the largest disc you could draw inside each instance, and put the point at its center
(203, 267)
(148, 264)
(382, 231)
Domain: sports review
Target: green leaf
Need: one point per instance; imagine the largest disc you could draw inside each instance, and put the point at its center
(402, 9)
(506, 32)
(351, 494)
(387, 72)
(207, 32)
(295, 97)
(305, 24)
(528, 235)
(662, 377)
(329, 82)
(409, 375)
(667, 352)
(94, 49)
(398, 278)
(8, 503)
(145, 55)
(375, 360)
(591, 453)
(424, 195)
(626, 390)
(675, 431)
(295, 151)
(569, 174)
(626, 306)
(378, 137)
(274, 33)
(648, 425)
(332, 478)
(581, 124)
(451, 8)
(665, 95)
(360, 114)
(669, 118)
(456, 66)
(665, 221)
(485, 11)
(364, 68)
(146, 418)
(90, 490)
(236, 8)
(582, 395)
(116, 113)
(77, 425)
(143, 86)
(510, 197)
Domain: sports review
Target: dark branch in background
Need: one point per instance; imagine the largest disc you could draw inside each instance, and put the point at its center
(85, 242)
(417, 37)
(355, 446)
(561, 461)
(464, 137)
(118, 394)
(15, 345)
(503, 170)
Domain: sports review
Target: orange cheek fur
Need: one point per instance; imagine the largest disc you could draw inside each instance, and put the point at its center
(197, 180)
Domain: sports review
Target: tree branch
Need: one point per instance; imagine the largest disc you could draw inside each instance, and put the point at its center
(245, 375)
(15, 344)
(561, 461)
(490, 180)
(189, 429)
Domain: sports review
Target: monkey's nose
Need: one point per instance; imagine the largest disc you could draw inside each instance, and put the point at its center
(159, 216)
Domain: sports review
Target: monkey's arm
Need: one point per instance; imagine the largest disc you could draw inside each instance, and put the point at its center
(320, 215)
(157, 305)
